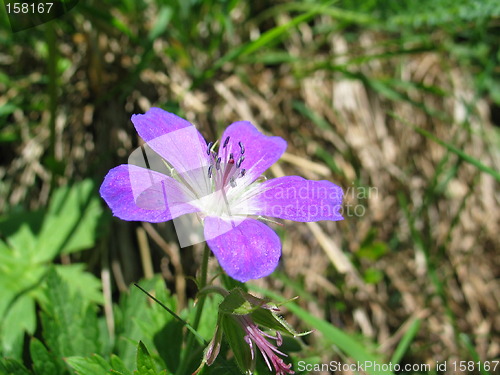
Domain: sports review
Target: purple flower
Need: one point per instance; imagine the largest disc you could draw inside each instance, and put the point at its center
(255, 337)
(240, 317)
(222, 187)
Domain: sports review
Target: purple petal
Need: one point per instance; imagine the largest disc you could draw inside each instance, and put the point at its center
(138, 194)
(260, 151)
(295, 198)
(178, 142)
(246, 249)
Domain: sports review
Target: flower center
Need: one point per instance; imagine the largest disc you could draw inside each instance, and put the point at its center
(223, 171)
(224, 166)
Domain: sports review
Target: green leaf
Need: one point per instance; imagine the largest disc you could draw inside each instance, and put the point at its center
(84, 283)
(235, 335)
(332, 334)
(373, 251)
(94, 365)
(145, 364)
(118, 366)
(19, 319)
(44, 362)
(372, 275)
(270, 319)
(162, 21)
(23, 241)
(132, 318)
(236, 303)
(74, 213)
(69, 323)
(12, 367)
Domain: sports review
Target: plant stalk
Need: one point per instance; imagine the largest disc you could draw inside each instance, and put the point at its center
(202, 282)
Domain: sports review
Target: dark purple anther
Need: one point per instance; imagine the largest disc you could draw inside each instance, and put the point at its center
(209, 147)
(242, 172)
(226, 142)
(240, 160)
(210, 171)
(217, 163)
(242, 148)
(231, 158)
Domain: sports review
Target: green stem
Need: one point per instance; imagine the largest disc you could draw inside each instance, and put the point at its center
(52, 88)
(202, 282)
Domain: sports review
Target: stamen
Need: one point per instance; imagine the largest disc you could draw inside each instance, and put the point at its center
(232, 182)
(231, 158)
(240, 160)
(242, 172)
(226, 142)
(279, 339)
(217, 163)
(242, 148)
(209, 147)
(210, 171)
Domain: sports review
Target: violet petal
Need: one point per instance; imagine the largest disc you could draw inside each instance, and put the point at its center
(295, 198)
(178, 142)
(137, 194)
(260, 150)
(246, 249)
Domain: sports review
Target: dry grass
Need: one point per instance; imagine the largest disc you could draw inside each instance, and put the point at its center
(436, 215)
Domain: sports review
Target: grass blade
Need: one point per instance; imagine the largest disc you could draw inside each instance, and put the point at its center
(466, 157)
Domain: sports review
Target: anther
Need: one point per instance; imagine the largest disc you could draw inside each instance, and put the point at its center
(232, 182)
(242, 148)
(217, 163)
(210, 171)
(226, 142)
(231, 158)
(209, 147)
(240, 160)
(242, 172)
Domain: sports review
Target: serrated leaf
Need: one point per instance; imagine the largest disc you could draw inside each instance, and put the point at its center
(145, 364)
(20, 318)
(69, 324)
(84, 283)
(74, 213)
(21, 238)
(270, 319)
(129, 317)
(94, 365)
(44, 362)
(118, 366)
(12, 367)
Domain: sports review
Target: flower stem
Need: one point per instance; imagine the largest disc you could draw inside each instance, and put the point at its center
(202, 282)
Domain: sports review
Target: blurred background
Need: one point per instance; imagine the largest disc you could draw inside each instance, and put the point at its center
(396, 101)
